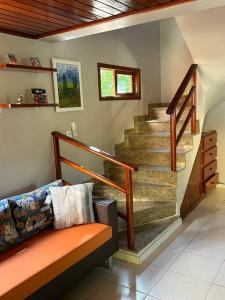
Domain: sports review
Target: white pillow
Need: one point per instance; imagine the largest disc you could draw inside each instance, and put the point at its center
(72, 205)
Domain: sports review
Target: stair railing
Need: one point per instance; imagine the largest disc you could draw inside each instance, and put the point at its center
(176, 115)
(126, 189)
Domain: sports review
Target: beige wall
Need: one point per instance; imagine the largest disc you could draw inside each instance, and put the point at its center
(25, 151)
(175, 58)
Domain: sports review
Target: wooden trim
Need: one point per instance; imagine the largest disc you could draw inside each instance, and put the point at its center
(172, 108)
(173, 104)
(127, 189)
(26, 67)
(136, 82)
(26, 105)
(173, 146)
(92, 174)
(112, 18)
(93, 150)
(190, 94)
(185, 124)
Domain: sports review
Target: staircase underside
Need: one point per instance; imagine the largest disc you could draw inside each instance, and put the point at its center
(147, 145)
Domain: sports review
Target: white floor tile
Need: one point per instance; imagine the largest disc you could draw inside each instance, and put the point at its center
(221, 208)
(174, 286)
(216, 293)
(183, 240)
(207, 247)
(220, 278)
(167, 257)
(111, 290)
(84, 287)
(142, 278)
(197, 266)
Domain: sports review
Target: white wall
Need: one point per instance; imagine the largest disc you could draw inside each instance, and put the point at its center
(25, 151)
(215, 120)
(175, 58)
(204, 34)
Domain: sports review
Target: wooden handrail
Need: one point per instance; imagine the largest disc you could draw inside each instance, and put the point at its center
(176, 115)
(185, 124)
(92, 174)
(127, 189)
(173, 105)
(190, 94)
(94, 150)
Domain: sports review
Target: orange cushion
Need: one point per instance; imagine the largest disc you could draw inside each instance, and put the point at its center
(36, 261)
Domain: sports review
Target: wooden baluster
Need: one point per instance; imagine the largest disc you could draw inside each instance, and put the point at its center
(194, 98)
(173, 144)
(57, 157)
(130, 212)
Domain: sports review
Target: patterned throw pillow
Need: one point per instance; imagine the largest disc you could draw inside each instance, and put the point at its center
(30, 211)
(72, 205)
(8, 234)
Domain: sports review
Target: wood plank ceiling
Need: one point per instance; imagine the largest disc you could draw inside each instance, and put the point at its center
(42, 18)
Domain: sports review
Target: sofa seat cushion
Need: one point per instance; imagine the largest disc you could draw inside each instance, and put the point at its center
(43, 257)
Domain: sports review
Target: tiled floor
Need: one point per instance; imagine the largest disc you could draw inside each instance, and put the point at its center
(191, 266)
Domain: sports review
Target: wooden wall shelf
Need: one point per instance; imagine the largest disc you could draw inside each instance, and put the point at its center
(26, 68)
(3, 105)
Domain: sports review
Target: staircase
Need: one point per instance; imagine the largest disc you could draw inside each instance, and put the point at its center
(147, 145)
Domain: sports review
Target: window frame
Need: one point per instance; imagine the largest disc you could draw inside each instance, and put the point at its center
(136, 82)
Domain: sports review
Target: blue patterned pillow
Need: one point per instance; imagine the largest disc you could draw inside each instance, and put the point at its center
(30, 212)
(8, 234)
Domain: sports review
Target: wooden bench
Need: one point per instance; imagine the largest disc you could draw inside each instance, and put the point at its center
(48, 264)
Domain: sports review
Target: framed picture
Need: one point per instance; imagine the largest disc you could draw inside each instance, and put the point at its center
(35, 61)
(67, 85)
(12, 58)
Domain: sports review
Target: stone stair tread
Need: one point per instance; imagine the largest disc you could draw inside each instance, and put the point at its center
(157, 168)
(147, 233)
(180, 150)
(138, 185)
(153, 168)
(157, 134)
(139, 206)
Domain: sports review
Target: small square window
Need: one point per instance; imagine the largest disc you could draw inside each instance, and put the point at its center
(118, 83)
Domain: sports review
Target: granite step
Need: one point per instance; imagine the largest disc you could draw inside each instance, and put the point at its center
(160, 113)
(157, 156)
(151, 174)
(146, 234)
(155, 140)
(146, 212)
(141, 192)
(146, 125)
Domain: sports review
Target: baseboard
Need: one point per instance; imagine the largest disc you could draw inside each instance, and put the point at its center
(141, 256)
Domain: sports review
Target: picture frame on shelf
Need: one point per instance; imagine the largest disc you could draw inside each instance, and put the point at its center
(67, 85)
(35, 61)
(39, 96)
(12, 58)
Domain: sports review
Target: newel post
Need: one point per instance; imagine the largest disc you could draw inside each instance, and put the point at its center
(194, 104)
(57, 157)
(130, 212)
(173, 142)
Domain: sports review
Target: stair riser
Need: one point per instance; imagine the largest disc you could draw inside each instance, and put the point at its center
(142, 141)
(160, 113)
(149, 215)
(154, 158)
(144, 176)
(142, 194)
